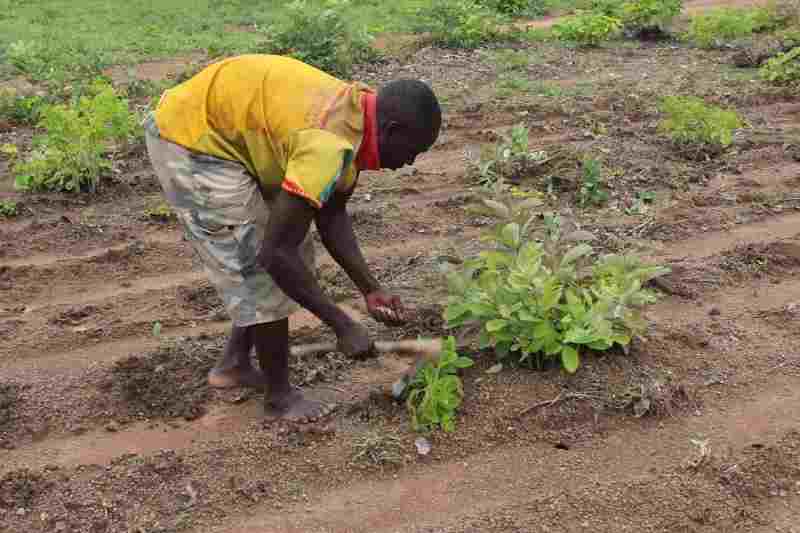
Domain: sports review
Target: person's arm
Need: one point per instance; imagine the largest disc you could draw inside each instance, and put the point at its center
(335, 228)
(289, 220)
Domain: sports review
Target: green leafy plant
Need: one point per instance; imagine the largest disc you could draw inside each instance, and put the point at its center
(717, 26)
(510, 7)
(587, 29)
(9, 151)
(547, 299)
(69, 155)
(436, 391)
(591, 189)
(8, 208)
(55, 62)
(647, 15)
(783, 69)
(508, 158)
(20, 109)
(691, 123)
(459, 23)
(161, 212)
(609, 8)
(640, 204)
(323, 36)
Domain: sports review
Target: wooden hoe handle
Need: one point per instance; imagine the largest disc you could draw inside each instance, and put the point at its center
(426, 347)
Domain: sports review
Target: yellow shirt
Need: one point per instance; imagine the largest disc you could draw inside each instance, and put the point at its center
(290, 124)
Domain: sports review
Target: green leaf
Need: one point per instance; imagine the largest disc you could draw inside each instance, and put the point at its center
(481, 310)
(157, 329)
(579, 335)
(496, 325)
(511, 235)
(454, 312)
(484, 340)
(551, 294)
(463, 362)
(576, 253)
(502, 349)
(569, 359)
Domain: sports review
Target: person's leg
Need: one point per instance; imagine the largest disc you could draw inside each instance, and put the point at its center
(234, 368)
(209, 225)
(282, 399)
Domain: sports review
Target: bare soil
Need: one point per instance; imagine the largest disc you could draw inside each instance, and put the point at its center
(108, 328)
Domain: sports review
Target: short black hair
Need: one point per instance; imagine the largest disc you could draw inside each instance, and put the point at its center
(411, 103)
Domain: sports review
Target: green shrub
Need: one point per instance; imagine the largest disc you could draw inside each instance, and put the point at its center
(436, 391)
(509, 7)
(20, 109)
(642, 15)
(460, 23)
(543, 300)
(721, 25)
(609, 8)
(323, 36)
(587, 29)
(69, 155)
(690, 122)
(8, 208)
(783, 69)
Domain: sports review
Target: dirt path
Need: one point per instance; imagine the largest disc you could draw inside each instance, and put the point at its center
(443, 496)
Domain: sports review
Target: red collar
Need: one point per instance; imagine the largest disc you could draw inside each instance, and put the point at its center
(368, 156)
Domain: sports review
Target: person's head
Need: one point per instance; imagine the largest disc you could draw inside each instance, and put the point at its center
(409, 119)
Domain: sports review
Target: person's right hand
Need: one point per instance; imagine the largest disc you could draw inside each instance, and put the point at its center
(354, 341)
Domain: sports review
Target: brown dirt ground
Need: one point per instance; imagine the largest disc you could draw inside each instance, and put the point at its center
(106, 427)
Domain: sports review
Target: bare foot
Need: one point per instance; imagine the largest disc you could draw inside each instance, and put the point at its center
(293, 407)
(236, 377)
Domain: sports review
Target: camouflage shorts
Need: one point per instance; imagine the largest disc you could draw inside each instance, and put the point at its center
(224, 215)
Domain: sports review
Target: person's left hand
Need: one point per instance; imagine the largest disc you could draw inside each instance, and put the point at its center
(385, 308)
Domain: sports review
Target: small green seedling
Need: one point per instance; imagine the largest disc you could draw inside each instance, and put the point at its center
(591, 191)
(639, 205)
(161, 212)
(436, 391)
(783, 69)
(8, 208)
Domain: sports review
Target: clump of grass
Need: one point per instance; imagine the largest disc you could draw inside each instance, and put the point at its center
(378, 449)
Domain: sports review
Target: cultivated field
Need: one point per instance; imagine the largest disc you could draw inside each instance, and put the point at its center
(108, 325)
